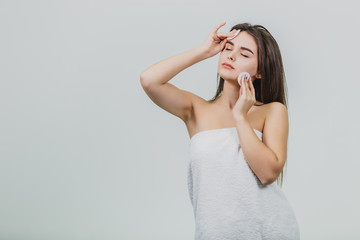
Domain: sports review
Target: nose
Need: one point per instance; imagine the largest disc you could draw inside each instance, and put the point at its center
(230, 56)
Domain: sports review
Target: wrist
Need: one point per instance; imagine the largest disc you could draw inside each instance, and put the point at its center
(203, 53)
(240, 117)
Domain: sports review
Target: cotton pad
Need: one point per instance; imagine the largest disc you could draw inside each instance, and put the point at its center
(237, 32)
(241, 75)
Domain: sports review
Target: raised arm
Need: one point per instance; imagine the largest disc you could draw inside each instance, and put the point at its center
(154, 79)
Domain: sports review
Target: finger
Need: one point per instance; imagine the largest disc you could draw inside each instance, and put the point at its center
(243, 87)
(223, 35)
(248, 83)
(218, 26)
(228, 33)
(244, 78)
(243, 84)
(247, 87)
(242, 81)
(223, 43)
(252, 88)
(235, 34)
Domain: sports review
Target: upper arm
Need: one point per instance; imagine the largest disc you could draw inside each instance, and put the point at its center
(275, 134)
(172, 99)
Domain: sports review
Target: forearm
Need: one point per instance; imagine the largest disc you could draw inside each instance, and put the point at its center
(261, 159)
(164, 70)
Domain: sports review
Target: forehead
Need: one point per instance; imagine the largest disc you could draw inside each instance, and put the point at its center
(244, 39)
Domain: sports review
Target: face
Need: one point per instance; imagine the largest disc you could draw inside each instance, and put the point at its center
(236, 54)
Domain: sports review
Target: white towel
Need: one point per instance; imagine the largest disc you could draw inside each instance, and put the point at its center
(229, 201)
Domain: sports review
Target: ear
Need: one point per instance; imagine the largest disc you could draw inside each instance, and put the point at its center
(258, 75)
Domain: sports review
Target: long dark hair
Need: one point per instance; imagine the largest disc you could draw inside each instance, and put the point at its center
(272, 85)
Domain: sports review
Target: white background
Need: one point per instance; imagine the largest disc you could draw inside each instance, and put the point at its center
(86, 154)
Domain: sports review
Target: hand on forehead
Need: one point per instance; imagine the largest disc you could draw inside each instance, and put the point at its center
(237, 32)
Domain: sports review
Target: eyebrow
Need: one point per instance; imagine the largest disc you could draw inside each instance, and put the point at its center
(245, 48)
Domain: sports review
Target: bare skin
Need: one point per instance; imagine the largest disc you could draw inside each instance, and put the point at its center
(206, 117)
(219, 113)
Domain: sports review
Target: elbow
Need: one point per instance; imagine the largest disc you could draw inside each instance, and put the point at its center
(266, 181)
(272, 174)
(142, 78)
(144, 83)
(269, 179)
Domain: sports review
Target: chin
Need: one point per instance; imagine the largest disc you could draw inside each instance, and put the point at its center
(227, 76)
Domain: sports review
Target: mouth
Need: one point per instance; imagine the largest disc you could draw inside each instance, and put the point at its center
(228, 66)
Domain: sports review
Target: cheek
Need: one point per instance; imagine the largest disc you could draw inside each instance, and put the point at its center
(252, 66)
(222, 55)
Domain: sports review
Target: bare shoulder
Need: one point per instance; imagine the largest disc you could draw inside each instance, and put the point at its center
(277, 119)
(275, 107)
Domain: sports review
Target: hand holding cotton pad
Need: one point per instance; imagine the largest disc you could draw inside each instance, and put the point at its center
(237, 32)
(241, 75)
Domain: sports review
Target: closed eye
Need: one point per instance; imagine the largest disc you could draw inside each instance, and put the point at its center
(241, 54)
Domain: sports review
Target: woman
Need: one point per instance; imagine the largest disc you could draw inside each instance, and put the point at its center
(238, 139)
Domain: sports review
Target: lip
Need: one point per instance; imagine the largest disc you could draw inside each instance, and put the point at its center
(227, 65)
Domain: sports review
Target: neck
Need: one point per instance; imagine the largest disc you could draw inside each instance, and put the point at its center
(230, 95)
